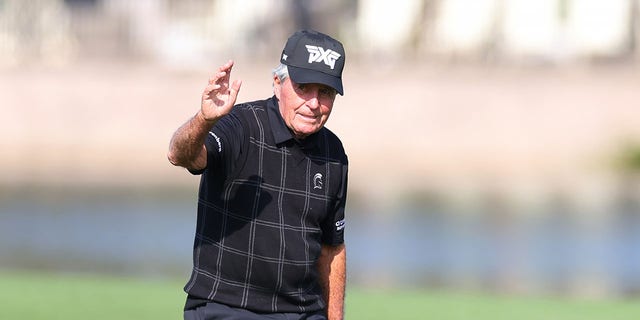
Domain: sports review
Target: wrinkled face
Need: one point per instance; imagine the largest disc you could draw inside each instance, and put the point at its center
(305, 108)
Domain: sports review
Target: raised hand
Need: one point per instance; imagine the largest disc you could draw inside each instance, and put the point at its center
(219, 97)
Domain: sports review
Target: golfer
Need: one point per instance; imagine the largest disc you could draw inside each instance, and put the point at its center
(269, 240)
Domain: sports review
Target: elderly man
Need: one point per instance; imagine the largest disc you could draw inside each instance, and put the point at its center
(269, 240)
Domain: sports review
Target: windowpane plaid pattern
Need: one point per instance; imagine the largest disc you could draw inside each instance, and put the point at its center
(266, 205)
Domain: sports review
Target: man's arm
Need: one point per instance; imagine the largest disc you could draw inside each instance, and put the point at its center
(332, 266)
(187, 148)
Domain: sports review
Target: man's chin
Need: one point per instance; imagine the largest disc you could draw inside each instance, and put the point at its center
(306, 131)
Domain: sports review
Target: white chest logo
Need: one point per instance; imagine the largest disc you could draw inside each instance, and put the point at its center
(317, 181)
(318, 54)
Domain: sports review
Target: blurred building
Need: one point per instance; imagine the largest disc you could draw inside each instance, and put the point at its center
(173, 32)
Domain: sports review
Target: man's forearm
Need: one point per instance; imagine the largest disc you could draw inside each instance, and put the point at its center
(186, 148)
(333, 266)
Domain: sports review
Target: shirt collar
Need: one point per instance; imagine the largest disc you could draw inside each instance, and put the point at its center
(279, 129)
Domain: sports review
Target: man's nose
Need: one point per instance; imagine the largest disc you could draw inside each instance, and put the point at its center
(313, 102)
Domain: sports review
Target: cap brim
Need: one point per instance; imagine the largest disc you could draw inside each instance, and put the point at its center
(302, 75)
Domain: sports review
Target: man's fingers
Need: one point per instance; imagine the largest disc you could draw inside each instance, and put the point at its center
(223, 73)
(217, 77)
(219, 86)
(210, 88)
(227, 66)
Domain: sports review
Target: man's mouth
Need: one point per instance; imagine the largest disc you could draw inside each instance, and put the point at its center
(308, 118)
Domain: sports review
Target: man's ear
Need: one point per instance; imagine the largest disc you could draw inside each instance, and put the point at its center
(277, 84)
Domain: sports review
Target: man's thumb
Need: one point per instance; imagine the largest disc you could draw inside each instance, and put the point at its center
(235, 88)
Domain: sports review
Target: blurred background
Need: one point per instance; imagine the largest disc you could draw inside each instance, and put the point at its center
(494, 145)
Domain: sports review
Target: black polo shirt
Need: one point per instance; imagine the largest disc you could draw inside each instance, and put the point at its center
(267, 203)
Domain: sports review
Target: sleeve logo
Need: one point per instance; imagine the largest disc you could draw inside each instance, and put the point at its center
(217, 140)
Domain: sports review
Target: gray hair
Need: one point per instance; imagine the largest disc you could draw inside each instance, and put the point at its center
(282, 72)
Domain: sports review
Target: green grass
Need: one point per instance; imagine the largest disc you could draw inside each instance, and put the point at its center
(405, 305)
(34, 296)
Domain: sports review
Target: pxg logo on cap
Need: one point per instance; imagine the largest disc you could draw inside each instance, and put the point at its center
(314, 57)
(318, 54)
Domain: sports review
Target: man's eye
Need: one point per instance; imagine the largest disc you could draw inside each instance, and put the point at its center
(326, 92)
(302, 87)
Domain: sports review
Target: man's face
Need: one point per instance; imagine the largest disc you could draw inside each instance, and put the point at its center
(305, 108)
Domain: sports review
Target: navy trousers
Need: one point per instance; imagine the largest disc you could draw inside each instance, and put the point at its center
(217, 311)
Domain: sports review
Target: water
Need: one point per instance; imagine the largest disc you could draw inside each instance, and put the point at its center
(140, 237)
(153, 236)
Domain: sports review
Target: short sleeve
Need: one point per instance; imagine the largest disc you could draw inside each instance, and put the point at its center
(224, 145)
(334, 224)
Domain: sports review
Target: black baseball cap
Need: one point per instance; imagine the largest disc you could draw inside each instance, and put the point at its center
(314, 57)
